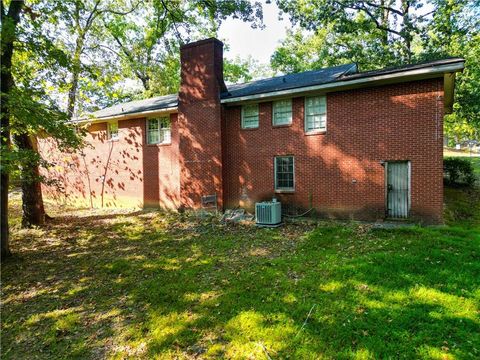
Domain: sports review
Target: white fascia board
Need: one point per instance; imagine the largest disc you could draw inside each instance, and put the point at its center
(126, 116)
(395, 77)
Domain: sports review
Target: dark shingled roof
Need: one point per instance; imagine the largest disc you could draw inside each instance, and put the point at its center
(395, 69)
(131, 107)
(278, 83)
(290, 81)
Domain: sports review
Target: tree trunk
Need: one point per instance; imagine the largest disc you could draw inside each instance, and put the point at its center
(72, 94)
(32, 200)
(385, 21)
(5, 243)
(145, 81)
(76, 67)
(9, 24)
(407, 29)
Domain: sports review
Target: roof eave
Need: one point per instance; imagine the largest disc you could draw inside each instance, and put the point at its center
(139, 114)
(381, 79)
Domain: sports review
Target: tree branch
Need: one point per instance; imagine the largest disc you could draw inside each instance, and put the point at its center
(383, 7)
(370, 15)
(143, 77)
(123, 13)
(92, 16)
(172, 17)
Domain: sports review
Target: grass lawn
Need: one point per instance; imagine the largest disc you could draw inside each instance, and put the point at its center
(450, 152)
(476, 165)
(151, 285)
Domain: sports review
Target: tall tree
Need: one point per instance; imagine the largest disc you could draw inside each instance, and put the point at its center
(10, 19)
(77, 29)
(83, 16)
(383, 31)
(82, 19)
(149, 50)
(31, 58)
(455, 31)
(31, 41)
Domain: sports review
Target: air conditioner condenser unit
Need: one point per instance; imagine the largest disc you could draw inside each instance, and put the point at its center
(268, 213)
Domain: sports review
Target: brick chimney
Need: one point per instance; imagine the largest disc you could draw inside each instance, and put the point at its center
(200, 121)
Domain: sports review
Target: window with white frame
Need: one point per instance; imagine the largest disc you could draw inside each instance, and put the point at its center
(284, 173)
(250, 116)
(282, 112)
(112, 130)
(159, 131)
(315, 113)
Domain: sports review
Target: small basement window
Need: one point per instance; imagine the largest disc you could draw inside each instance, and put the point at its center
(112, 130)
(250, 116)
(282, 112)
(284, 173)
(159, 131)
(315, 113)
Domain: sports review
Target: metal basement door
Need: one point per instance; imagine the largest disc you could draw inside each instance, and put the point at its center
(398, 189)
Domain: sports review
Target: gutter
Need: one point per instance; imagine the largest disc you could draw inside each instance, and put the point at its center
(132, 115)
(408, 75)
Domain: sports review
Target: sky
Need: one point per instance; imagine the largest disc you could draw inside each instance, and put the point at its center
(260, 44)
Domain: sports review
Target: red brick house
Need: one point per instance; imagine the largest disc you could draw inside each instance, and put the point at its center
(363, 145)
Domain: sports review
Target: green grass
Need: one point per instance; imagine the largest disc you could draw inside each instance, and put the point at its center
(151, 285)
(476, 165)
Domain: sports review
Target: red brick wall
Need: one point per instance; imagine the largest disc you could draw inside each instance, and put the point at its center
(123, 173)
(364, 127)
(199, 113)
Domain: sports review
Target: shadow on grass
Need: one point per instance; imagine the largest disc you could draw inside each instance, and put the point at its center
(143, 285)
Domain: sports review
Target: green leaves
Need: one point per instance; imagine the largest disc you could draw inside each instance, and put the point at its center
(149, 50)
(32, 115)
(386, 33)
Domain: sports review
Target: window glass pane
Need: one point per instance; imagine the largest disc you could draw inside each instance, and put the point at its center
(165, 136)
(153, 136)
(165, 123)
(165, 131)
(315, 113)
(284, 173)
(250, 116)
(152, 124)
(159, 131)
(282, 112)
(113, 130)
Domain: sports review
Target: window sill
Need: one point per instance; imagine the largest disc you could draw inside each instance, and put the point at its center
(316, 132)
(282, 125)
(249, 128)
(284, 191)
(160, 144)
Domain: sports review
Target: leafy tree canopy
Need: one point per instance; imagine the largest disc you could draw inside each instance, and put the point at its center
(380, 33)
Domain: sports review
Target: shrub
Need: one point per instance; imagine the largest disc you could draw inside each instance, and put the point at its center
(458, 171)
